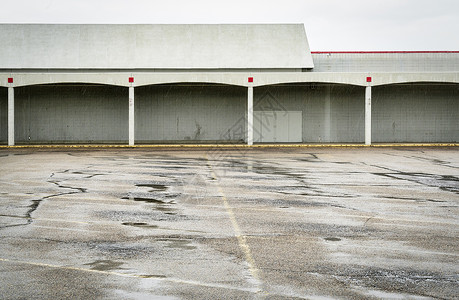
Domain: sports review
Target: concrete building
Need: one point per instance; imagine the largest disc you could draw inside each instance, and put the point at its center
(137, 84)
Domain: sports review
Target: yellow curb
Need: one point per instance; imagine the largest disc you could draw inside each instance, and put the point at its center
(86, 146)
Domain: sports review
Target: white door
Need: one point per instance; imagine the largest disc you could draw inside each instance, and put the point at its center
(277, 126)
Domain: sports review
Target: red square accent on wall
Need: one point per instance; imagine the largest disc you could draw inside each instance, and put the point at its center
(368, 79)
(250, 79)
(131, 79)
(10, 80)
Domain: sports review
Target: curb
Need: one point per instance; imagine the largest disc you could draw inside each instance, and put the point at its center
(88, 146)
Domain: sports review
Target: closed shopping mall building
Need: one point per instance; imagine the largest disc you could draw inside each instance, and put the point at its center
(226, 84)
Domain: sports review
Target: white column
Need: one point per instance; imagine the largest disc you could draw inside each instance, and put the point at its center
(131, 116)
(10, 116)
(250, 116)
(368, 115)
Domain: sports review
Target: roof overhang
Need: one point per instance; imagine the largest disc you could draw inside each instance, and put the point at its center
(252, 46)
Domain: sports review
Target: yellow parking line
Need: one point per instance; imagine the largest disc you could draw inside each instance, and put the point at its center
(174, 280)
(241, 238)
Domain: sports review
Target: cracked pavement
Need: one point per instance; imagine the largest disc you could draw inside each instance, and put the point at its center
(297, 223)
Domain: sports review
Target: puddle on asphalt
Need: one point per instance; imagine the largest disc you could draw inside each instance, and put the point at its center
(161, 205)
(268, 170)
(89, 175)
(152, 276)
(332, 239)
(412, 199)
(139, 224)
(179, 244)
(170, 167)
(174, 196)
(104, 265)
(444, 182)
(312, 158)
(147, 200)
(158, 187)
(167, 210)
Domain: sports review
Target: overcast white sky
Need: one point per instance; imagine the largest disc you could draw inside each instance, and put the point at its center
(330, 24)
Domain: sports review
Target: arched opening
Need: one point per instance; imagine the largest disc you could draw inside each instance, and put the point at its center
(3, 115)
(309, 113)
(422, 112)
(190, 113)
(71, 113)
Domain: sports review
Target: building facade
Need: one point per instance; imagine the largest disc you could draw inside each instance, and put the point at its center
(242, 84)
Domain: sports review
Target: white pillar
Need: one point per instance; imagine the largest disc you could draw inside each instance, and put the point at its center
(368, 115)
(131, 116)
(250, 116)
(10, 116)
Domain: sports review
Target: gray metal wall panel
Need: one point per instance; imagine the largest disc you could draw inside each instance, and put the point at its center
(386, 62)
(295, 120)
(346, 110)
(416, 113)
(190, 113)
(347, 114)
(66, 114)
(330, 113)
(3, 115)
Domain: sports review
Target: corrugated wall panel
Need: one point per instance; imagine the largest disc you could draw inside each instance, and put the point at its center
(69, 114)
(190, 113)
(416, 113)
(331, 113)
(386, 62)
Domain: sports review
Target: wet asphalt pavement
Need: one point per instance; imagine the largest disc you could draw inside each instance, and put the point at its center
(312, 223)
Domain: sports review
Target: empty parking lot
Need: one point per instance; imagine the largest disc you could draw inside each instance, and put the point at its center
(213, 223)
